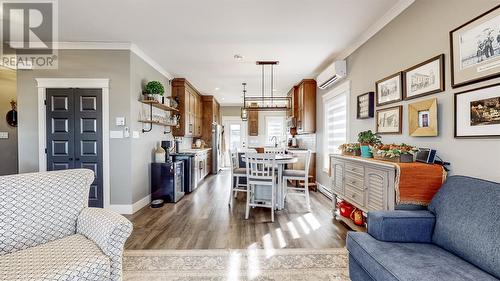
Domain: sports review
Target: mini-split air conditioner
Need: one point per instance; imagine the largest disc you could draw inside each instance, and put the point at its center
(335, 72)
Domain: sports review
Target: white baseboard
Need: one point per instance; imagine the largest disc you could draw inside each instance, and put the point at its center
(129, 209)
(324, 190)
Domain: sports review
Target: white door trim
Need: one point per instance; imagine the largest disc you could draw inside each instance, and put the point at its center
(42, 85)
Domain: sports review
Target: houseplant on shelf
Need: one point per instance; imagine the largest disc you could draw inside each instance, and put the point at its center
(400, 153)
(155, 88)
(368, 139)
(351, 149)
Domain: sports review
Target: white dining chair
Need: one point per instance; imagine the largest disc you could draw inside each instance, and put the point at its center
(260, 172)
(299, 175)
(274, 150)
(236, 174)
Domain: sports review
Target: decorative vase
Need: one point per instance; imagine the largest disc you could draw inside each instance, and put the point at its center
(159, 154)
(366, 151)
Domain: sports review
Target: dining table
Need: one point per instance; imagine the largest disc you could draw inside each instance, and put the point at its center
(281, 161)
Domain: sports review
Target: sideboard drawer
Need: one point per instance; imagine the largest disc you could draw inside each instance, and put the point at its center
(355, 195)
(355, 181)
(355, 169)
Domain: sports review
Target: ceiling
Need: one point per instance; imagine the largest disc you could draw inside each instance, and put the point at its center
(198, 39)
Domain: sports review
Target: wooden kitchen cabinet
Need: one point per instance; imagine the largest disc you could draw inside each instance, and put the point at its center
(253, 123)
(293, 96)
(305, 112)
(211, 115)
(190, 109)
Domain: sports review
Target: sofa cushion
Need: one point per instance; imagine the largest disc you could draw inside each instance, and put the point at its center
(410, 261)
(36, 208)
(71, 258)
(468, 221)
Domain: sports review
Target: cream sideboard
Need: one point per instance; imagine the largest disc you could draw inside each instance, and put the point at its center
(366, 184)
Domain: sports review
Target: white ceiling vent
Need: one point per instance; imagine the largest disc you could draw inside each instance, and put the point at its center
(335, 72)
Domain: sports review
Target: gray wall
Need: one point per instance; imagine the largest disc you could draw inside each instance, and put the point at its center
(8, 147)
(142, 149)
(230, 110)
(129, 157)
(419, 33)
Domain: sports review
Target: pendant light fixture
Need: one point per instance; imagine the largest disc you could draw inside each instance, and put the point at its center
(244, 111)
(266, 102)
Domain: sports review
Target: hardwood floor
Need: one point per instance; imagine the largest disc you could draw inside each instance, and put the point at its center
(203, 220)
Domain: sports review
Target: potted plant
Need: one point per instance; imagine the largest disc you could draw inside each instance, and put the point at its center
(400, 153)
(367, 139)
(155, 88)
(351, 149)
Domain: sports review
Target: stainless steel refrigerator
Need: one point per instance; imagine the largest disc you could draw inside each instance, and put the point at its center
(216, 148)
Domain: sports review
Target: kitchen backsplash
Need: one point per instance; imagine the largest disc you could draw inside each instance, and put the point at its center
(307, 141)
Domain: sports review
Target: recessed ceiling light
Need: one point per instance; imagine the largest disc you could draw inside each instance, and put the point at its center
(217, 88)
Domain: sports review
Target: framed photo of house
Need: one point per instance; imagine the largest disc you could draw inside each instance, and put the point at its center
(422, 118)
(426, 78)
(475, 49)
(389, 120)
(477, 113)
(390, 89)
(366, 105)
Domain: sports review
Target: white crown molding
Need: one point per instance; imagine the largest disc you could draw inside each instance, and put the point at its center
(114, 46)
(134, 48)
(391, 14)
(92, 45)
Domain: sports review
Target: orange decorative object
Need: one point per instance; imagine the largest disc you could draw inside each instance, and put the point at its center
(357, 217)
(418, 182)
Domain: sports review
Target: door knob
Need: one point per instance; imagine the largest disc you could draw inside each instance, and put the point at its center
(77, 159)
(70, 159)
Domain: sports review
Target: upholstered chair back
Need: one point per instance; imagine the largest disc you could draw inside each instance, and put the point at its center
(36, 208)
(468, 221)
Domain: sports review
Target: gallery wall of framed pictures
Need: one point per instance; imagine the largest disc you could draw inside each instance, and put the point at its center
(423, 79)
(365, 105)
(474, 49)
(475, 57)
(477, 112)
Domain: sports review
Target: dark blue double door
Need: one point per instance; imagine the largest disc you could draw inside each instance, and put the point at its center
(74, 134)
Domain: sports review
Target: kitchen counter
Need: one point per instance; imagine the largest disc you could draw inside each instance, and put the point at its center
(194, 150)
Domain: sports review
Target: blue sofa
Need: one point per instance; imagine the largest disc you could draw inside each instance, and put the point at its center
(457, 238)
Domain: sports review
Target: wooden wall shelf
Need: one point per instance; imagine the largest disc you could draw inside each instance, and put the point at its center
(156, 123)
(158, 105)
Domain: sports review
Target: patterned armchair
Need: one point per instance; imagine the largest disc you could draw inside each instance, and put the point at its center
(47, 232)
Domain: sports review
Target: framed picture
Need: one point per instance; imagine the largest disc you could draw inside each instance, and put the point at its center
(426, 78)
(389, 89)
(389, 120)
(422, 118)
(366, 105)
(475, 49)
(477, 113)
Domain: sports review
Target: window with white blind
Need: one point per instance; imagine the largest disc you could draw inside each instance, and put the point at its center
(335, 108)
(275, 127)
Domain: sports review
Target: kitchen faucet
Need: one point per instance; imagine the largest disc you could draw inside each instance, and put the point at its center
(275, 141)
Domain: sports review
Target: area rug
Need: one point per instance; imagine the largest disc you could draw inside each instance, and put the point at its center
(244, 265)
